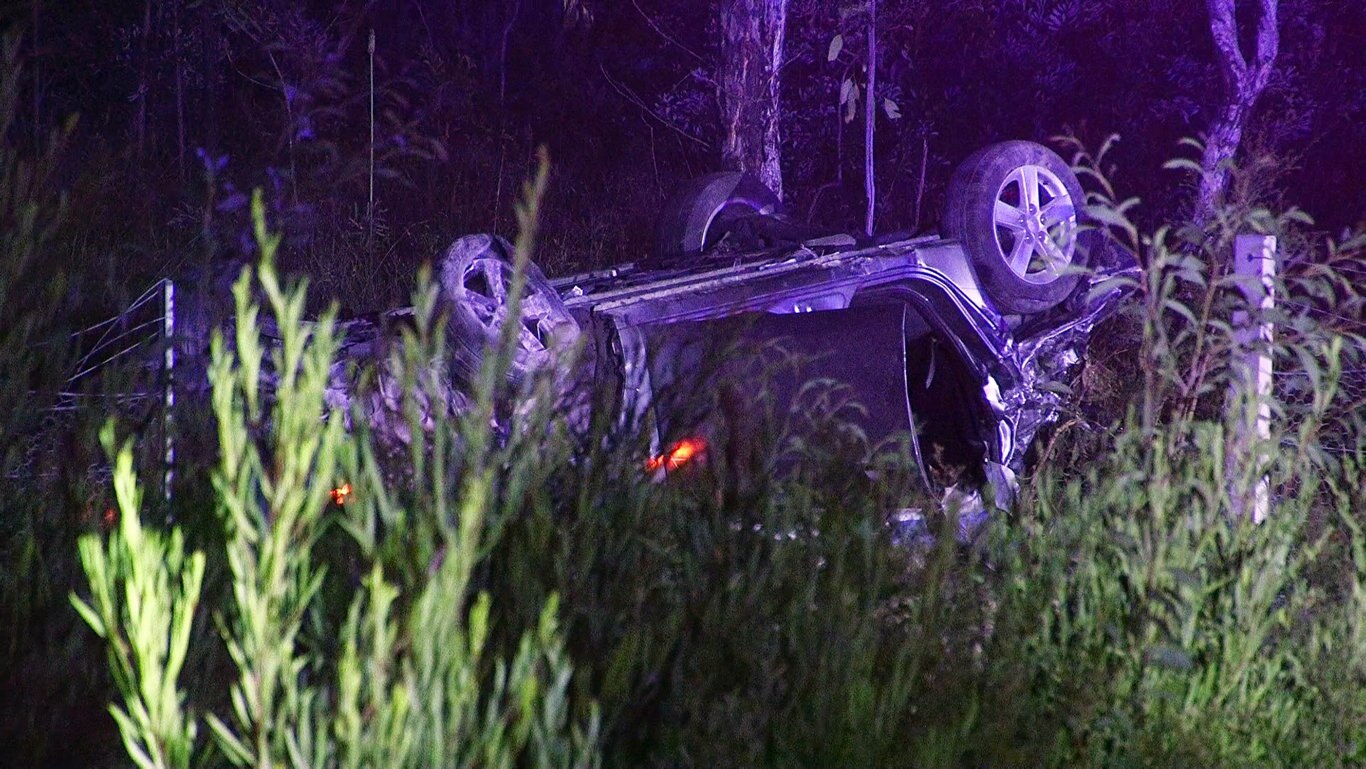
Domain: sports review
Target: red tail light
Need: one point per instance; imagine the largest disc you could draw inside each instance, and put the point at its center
(341, 493)
(678, 455)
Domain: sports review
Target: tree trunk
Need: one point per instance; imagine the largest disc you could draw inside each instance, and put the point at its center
(1245, 80)
(179, 93)
(208, 117)
(37, 79)
(869, 120)
(748, 80)
(144, 90)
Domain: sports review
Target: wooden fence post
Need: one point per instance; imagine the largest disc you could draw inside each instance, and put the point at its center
(1254, 261)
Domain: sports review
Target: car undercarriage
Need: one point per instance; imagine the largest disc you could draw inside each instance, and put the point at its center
(956, 338)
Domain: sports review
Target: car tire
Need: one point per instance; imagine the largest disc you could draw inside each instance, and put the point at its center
(1017, 209)
(694, 218)
(476, 275)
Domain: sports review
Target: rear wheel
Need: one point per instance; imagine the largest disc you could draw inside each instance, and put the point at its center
(701, 212)
(1016, 208)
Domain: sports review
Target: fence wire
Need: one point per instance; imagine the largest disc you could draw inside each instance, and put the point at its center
(120, 370)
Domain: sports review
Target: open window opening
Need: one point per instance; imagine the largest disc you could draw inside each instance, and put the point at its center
(947, 405)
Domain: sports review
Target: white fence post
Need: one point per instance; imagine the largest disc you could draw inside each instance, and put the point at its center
(168, 438)
(1254, 259)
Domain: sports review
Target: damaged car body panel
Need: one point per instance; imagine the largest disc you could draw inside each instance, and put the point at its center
(906, 312)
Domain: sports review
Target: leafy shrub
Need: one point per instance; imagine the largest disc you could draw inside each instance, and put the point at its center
(405, 677)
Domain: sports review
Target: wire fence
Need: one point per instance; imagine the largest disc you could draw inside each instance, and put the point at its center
(124, 367)
(141, 326)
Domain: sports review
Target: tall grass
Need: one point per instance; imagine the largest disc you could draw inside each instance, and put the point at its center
(43, 480)
(506, 586)
(404, 676)
(31, 213)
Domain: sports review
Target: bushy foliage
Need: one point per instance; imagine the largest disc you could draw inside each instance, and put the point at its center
(405, 677)
(43, 480)
(755, 609)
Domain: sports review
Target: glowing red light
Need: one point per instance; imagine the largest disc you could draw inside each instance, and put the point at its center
(341, 493)
(110, 517)
(677, 455)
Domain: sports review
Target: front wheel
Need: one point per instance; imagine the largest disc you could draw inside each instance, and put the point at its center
(476, 279)
(1016, 208)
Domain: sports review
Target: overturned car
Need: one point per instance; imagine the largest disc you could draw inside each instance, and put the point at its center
(954, 339)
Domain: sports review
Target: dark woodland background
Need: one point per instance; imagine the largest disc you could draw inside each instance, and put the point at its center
(185, 106)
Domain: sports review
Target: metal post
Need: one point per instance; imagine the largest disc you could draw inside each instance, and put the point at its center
(1254, 260)
(167, 436)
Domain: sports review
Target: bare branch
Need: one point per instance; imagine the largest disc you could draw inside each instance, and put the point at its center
(629, 95)
(1245, 84)
(1268, 44)
(1223, 25)
(655, 26)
